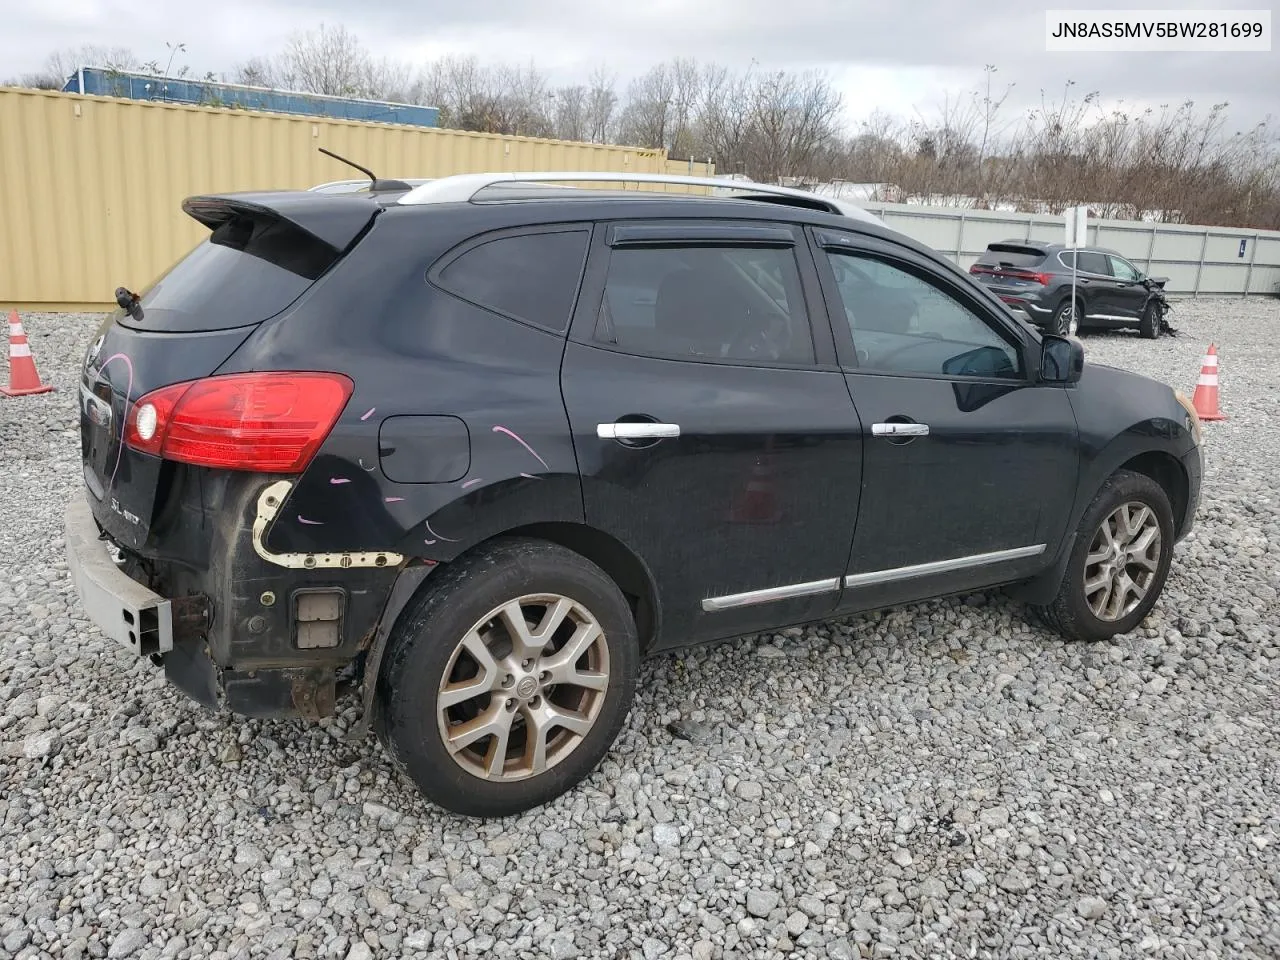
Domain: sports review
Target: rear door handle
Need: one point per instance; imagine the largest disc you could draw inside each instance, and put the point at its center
(637, 431)
(899, 429)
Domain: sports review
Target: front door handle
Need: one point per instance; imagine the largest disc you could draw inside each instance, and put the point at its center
(899, 429)
(637, 431)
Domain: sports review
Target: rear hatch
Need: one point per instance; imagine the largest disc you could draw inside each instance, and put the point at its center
(263, 252)
(1011, 269)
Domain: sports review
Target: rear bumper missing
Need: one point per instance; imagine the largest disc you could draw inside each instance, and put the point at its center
(126, 611)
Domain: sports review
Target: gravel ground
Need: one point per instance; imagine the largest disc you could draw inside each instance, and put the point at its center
(939, 781)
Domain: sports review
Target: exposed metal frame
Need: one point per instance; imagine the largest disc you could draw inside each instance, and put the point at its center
(463, 188)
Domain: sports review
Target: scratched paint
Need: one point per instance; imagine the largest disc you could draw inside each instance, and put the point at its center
(360, 460)
(369, 413)
(530, 476)
(472, 483)
(393, 499)
(427, 524)
(337, 480)
(309, 523)
(128, 391)
(516, 437)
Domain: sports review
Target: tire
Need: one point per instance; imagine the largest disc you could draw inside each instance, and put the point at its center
(1072, 612)
(1063, 323)
(1149, 325)
(426, 650)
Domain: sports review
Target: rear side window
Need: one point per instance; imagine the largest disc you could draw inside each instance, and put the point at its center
(718, 303)
(1014, 256)
(532, 277)
(1094, 263)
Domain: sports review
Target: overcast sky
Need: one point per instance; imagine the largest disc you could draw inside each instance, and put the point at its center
(896, 57)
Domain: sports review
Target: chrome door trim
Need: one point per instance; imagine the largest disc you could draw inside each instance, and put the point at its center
(770, 595)
(1108, 316)
(941, 566)
(637, 431)
(899, 429)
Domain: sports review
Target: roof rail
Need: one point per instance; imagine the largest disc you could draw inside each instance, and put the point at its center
(462, 188)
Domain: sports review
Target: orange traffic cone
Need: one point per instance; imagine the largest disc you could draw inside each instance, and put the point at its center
(23, 378)
(759, 502)
(1205, 399)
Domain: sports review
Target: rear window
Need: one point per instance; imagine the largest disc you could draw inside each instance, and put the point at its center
(248, 270)
(1014, 256)
(529, 276)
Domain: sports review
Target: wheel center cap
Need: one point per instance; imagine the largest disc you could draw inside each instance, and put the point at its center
(527, 687)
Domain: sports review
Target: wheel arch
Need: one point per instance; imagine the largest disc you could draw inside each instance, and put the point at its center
(1160, 465)
(618, 562)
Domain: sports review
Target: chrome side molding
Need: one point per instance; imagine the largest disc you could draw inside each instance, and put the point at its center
(941, 566)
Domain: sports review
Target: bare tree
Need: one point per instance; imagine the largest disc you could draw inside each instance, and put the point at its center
(61, 64)
(602, 105)
(328, 60)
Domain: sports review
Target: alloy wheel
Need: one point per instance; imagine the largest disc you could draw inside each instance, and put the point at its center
(1122, 562)
(523, 687)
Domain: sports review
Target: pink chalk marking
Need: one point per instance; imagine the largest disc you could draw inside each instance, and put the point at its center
(427, 524)
(360, 460)
(516, 438)
(472, 483)
(309, 523)
(125, 419)
(530, 476)
(337, 480)
(393, 499)
(429, 542)
(369, 414)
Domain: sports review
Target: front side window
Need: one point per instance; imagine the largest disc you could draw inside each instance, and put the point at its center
(718, 303)
(1123, 269)
(904, 323)
(531, 277)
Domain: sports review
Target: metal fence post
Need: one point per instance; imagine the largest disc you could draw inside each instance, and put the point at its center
(1151, 246)
(960, 239)
(1253, 255)
(1204, 245)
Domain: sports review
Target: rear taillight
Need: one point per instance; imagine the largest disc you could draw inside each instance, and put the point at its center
(267, 422)
(979, 268)
(1040, 278)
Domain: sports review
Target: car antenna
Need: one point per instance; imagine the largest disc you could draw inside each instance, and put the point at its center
(374, 183)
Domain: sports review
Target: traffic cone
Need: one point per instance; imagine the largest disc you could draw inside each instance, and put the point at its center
(23, 378)
(1205, 399)
(759, 502)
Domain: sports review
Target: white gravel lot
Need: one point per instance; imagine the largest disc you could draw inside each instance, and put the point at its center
(940, 781)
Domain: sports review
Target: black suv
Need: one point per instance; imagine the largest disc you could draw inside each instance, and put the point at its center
(473, 451)
(1035, 280)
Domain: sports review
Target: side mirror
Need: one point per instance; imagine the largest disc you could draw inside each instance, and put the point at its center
(1061, 359)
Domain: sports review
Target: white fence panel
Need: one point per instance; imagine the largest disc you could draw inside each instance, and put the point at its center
(1199, 261)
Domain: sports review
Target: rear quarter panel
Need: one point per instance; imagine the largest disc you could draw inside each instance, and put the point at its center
(415, 351)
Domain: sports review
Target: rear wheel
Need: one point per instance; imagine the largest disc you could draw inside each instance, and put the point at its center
(1149, 325)
(1065, 321)
(506, 683)
(1119, 563)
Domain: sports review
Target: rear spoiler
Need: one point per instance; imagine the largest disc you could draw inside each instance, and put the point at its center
(332, 220)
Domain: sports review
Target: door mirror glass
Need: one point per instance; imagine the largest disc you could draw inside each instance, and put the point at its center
(1061, 359)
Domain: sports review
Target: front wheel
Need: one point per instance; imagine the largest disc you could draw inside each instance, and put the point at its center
(1149, 325)
(1119, 563)
(1065, 321)
(505, 684)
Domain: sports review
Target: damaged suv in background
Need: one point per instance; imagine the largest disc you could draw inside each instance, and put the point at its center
(1036, 281)
(474, 447)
